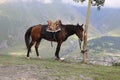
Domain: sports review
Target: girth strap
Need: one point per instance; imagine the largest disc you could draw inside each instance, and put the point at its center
(54, 37)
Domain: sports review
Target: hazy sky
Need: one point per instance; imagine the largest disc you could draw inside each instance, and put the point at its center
(108, 3)
(113, 3)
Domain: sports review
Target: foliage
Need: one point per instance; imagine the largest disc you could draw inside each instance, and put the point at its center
(97, 3)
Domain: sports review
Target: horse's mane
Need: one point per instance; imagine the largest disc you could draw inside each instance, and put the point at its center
(69, 26)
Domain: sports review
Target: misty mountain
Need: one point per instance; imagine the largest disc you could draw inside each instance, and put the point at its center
(18, 16)
(105, 20)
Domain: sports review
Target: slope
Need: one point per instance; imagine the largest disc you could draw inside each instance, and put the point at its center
(12, 68)
(16, 17)
(106, 20)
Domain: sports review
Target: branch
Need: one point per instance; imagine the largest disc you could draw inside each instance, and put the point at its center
(97, 3)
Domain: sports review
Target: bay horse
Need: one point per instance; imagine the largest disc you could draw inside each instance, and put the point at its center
(38, 32)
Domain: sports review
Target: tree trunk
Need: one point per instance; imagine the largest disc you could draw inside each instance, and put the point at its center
(85, 55)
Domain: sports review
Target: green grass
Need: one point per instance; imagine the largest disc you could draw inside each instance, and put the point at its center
(65, 70)
(70, 70)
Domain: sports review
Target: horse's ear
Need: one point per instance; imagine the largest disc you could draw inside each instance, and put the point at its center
(82, 25)
(78, 24)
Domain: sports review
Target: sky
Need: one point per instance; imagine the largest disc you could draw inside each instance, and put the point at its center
(108, 3)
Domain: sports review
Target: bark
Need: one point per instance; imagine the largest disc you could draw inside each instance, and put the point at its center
(85, 54)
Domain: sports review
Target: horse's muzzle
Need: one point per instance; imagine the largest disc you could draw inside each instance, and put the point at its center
(81, 39)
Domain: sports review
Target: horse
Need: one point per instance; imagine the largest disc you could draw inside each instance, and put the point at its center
(38, 32)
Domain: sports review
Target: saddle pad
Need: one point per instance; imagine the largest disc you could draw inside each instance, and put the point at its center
(52, 30)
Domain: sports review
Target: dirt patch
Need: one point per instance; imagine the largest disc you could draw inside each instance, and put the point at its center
(31, 72)
(24, 72)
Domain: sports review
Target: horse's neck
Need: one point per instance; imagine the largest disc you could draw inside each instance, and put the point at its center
(70, 29)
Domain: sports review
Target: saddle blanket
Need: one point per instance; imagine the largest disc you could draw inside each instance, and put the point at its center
(49, 30)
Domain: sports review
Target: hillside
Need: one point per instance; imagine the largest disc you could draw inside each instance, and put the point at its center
(114, 32)
(106, 20)
(12, 68)
(105, 42)
(18, 16)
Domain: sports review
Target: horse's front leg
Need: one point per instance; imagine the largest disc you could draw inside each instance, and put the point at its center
(57, 50)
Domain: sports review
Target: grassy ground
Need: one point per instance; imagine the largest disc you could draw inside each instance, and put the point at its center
(50, 69)
(14, 66)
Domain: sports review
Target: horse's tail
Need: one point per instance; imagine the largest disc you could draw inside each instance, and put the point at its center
(27, 37)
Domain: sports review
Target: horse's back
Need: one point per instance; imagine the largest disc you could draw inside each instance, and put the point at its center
(35, 32)
(50, 36)
(40, 31)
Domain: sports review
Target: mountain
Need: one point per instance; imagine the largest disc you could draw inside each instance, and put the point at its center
(105, 44)
(114, 32)
(106, 20)
(16, 17)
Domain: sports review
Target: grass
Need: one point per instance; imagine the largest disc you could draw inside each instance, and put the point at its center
(49, 67)
(65, 71)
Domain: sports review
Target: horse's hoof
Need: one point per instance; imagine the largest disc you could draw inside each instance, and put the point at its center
(39, 57)
(59, 59)
(28, 57)
(62, 59)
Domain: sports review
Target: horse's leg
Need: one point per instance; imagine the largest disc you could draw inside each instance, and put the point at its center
(57, 50)
(29, 49)
(36, 48)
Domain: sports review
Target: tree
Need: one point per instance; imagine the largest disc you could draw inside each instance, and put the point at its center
(97, 3)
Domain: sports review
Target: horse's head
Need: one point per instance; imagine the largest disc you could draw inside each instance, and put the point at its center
(79, 31)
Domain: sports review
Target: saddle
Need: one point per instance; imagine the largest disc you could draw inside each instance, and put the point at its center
(50, 30)
(53, 26)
